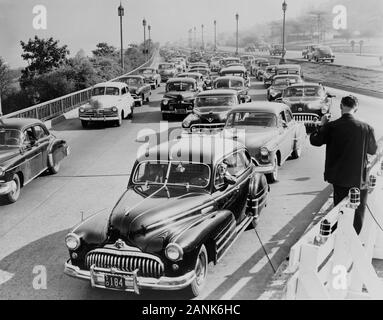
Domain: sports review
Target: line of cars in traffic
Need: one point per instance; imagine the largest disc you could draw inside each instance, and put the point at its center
(190, 198)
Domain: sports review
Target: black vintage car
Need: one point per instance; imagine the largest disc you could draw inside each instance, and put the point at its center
(139, 89)
(308, 102)
(179, 97)
(233, 83)
(211, 109)
(280, 83)
(186, 202)
(27, 149)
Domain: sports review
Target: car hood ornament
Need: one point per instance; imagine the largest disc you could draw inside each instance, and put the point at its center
(119, 244)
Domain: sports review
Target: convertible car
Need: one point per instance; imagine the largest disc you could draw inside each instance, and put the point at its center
(186, 203)
(27, 149)
(269, 131)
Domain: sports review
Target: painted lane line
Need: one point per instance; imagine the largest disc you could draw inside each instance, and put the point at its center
(5, 276)
(236, 288)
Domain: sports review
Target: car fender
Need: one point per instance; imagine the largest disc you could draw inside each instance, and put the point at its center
(93, 230)
(206, 229)
(57, 151)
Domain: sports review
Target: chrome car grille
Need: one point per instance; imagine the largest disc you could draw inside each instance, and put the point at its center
(306, 117)
(147, 265)
(99, 113)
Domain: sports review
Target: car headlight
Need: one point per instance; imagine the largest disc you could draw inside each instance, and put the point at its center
(264, 152)
(174, 252)
(164, 102)
(72, 241)
(274, 92)
(82, 110)
(114, 109)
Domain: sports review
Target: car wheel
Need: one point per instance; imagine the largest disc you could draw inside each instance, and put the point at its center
(119, 121)
(84, 124)
(273, 177)
(200, 269)
(55, 169)
(148, 99)
(14, 195)
(130, 115)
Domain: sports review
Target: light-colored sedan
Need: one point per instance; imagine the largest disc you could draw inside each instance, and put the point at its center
(110, 102)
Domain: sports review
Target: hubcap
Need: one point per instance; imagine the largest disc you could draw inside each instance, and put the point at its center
(200, 269)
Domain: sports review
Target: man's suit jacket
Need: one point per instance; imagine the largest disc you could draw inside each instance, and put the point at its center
(348, 141)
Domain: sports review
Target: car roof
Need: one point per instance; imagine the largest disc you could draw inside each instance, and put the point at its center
(260, 106)
(217, 92)
(231, 58)
(234, 68)
(181, 80)
(202, 148)
(230, 78)
(133, 76)
(279, 76)
(189, 73)
(18, 123)
(116, 84)
(305, 84)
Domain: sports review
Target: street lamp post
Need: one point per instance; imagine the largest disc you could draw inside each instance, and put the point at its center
(195, 36)
(284, 8)
(120, 14)
(215, 35)
(150, 39)
(144, 25)
(202, 44)
(237, 18)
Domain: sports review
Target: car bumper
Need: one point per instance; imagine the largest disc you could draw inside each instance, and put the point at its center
(103, 119)
(5, 187)
(96, 278)
(177, 111)
(265, 169)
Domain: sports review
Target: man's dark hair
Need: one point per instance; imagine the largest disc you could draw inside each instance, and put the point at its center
(350, 101)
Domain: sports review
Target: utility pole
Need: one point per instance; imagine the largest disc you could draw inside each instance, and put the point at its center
(144, 25)
(237, 18)
(202, 44)
(215, 35)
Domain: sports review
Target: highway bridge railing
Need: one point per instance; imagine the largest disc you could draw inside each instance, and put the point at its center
(331, 261)
(56, 107)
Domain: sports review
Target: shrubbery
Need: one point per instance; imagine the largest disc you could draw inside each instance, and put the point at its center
(51, 74)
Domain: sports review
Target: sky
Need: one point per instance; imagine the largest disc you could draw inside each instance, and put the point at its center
(81, 24)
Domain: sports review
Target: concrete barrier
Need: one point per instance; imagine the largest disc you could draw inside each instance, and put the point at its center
(331, 261)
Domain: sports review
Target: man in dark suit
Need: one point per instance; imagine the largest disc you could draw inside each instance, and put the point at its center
(348, 141)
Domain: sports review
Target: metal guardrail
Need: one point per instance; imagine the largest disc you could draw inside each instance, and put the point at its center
(54, 108)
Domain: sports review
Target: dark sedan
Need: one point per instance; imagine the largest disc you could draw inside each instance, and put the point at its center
(308, 102)
(27, 149)
(233, 83)
(186, 203)
(280, 83)
(211, 109)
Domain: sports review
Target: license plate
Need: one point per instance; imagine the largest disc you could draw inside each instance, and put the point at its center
(114, 282)
(180, 111)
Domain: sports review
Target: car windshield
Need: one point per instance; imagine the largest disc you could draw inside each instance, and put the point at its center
(134, 82)
(165, 66)
(10, 138)
(302, 92)
(109, 91)
(232, 61)
(227, 83)
(147, 71)
(172, 173)
(180, 86)
(233, 73)
(270, 70)
(216, 101)
(285, 80)
(201, 71)
(257, 119)
(264, 64)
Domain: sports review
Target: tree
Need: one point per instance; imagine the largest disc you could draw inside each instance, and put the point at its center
(43, 55)
(103, 50)
(4, 76)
